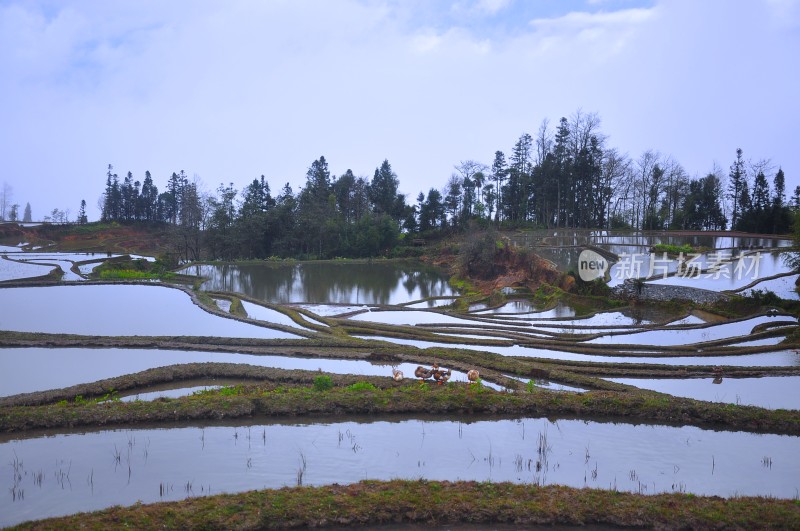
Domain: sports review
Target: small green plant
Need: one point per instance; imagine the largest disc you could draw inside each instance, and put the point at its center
(128, 274)
(323, 383)
(362, 386)
(111, 396)
(672, 249)
(530, 386)
(237, 308)
(230, 390)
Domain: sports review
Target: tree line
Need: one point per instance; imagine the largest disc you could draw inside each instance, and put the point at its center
(564, 178)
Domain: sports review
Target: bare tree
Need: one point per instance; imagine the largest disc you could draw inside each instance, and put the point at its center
(615, 186)
(6, 195)
(544, 142)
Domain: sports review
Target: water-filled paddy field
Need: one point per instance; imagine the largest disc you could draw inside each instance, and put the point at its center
(405, 313)
(118, 310)
(69, 472)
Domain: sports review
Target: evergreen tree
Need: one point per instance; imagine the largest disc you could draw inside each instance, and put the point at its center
(760, 196)
(128, 199)
(172, 203)
(736, 186)
(148, 199)
(562, 172)
(519, 179)
(189, 233)
(383, 191)
(82, 219)
(220, 236)
(282, 238)
(26, 216)
(252, 223)
(779, 184)
(745, 221)
(432, 212)
(781, 216)
(452, 199)
(317, 208)
(499, 173)
(112, 198)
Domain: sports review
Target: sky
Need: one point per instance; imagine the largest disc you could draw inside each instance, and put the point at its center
(229, 90)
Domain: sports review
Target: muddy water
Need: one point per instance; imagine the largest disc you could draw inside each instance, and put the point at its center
(118, 310)
(63, 474)
(327, 282)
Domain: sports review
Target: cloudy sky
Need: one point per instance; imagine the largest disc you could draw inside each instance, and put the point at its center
(228, 90)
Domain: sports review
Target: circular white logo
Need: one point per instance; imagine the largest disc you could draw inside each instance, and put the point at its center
(591, 265)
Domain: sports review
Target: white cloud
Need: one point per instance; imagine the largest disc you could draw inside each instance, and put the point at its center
(236, 89)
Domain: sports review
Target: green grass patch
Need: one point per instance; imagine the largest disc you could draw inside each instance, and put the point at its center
(323, 383)
(408, 502)
(673, 249)
(362, 386)
(129, 274)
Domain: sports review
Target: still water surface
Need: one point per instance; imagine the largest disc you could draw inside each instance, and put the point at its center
(118, 310)
(21, 368)
(771, 392)
(89, 471)
(327, 282)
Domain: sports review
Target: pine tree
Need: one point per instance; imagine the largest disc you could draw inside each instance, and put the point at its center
(499, 173)
(148, 199)
(738, 183)
(383, 191)
(82, 219)
(26, 216)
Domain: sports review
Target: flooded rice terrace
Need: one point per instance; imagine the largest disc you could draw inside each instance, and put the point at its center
(56, 474)
(408, 307)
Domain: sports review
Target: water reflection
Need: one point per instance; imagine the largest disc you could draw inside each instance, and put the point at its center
(778, 358)
(326, 282)
(89, 471)
(118, 310)
(21, 368)
(771, 392)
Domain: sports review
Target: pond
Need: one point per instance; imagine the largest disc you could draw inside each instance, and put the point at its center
(771, 392)
(327, 282)
(61, 473)
(118, 310)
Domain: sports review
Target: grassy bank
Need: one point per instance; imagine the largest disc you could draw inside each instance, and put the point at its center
(287, 398)
(372, 503)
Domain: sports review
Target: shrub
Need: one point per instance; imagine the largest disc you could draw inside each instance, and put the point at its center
(672, 249)
(323, 383)
(362, 386)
